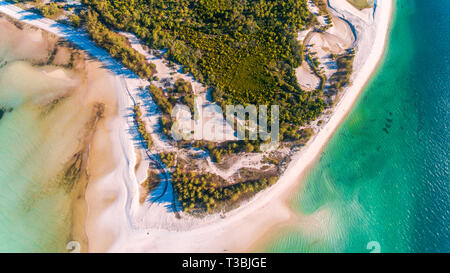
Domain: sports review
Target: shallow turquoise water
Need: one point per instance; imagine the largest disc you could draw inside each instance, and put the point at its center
(35, 145)
(384, 176)
(32, 210)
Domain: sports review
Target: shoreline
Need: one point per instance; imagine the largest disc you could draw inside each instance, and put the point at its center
(270, 236)
(268, 209)
(114, 183)
(85, 107)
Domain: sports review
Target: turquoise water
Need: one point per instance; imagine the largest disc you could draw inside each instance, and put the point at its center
(33, 209)
(384, 176)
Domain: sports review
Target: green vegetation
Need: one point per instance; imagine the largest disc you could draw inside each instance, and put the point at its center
(322, 6)
(246, 50)
(141, 127)
(323, 11)
(166, 122)
(51, 10)
(217, 150)
(200, 192)
(161, 99)
(301, 136)
(314, 63)
(117, 46)
(182, 86)
(184, 89)
(75, 20)
(270, 160)
(165, 103)
(168, 159)
(345, 68)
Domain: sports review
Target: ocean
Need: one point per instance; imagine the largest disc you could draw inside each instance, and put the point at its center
(382, 183)
(41, 129)
(33, 208)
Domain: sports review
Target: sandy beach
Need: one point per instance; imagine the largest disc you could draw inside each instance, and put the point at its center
(244, 227)
(115, 218)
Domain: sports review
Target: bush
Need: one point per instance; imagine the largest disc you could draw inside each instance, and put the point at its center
(160, 99)
(245, 50)
(141, 127)
(206, 192)
(51, 10)
(118, 46)
(75, 20)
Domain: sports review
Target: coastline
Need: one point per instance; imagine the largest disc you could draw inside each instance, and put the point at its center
(85, 213)
(119, 189)
(75, 137)
(352, 99)
(268, 209)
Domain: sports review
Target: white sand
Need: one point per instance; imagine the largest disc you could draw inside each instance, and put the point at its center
(114, 201)
(243, 227)
(335, 40)
(306, 77)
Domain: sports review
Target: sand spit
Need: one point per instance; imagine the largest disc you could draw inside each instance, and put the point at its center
(118, 223)
(244, 227)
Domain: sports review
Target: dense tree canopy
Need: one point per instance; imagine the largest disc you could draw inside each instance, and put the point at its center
(245, 49)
